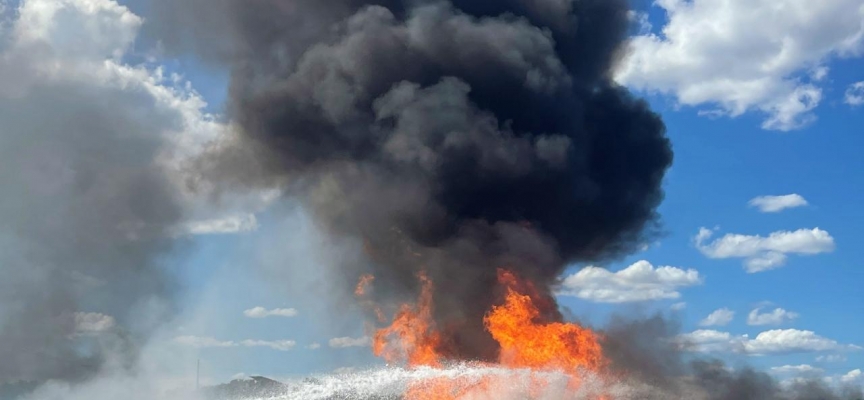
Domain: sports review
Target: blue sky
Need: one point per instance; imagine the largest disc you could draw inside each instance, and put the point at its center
(763, 104)
(721, 164)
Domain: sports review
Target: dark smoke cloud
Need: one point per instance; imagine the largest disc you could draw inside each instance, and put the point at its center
(642, 349)
(456, 137)
(721, 383)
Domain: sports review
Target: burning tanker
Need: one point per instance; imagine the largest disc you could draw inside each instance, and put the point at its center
(476, 148)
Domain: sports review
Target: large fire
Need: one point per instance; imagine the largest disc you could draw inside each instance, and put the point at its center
(526, 342)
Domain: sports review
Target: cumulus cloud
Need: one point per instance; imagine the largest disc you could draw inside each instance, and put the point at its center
(728, 57)
(774, 204)
(314, 346)
(777, 317)
(205, 342)
(343, 342)
(855, 94)
(765, 253)
(797, 369)
(721, 317)
(678, 306)
(231, 224)
(638, 282)
(780, 341)
(261, 312)
(790, 341)
(853, 376)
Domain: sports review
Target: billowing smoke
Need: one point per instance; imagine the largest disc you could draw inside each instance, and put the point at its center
(456, 137)
(87, 211)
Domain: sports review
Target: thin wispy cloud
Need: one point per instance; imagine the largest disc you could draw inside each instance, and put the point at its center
(227, 225)
(344, 342)
(261, 312)
(797, 369)
(206, 342)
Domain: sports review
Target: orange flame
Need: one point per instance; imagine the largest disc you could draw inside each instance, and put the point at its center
(525, 341)
(363, 285)
(412, 336)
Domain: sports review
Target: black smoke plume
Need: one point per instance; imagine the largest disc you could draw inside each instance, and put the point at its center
(456, 137)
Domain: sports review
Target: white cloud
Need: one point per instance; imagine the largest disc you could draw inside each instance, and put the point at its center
(261, 312)
(232, 224)
(314, 346)
(201, 342)
(204, 342)
(736, 56)
(765, 253)
(721, 317)
(819, 73)
(80, 46)
(638, 282)
(855, 94)
(768, 342)
(708, 341)
(796, 369)
(343, 342)
(93, 323)
(281, 345)
(678, 306)
(852, 376)
(831, 358)
(642, 20)
(773, 204)
(790, 341)
(777, 317)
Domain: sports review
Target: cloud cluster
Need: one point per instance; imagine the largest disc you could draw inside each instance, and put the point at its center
(779, 341)
(638, 282)
(765, 253)
(774, 204)
(726, 55)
